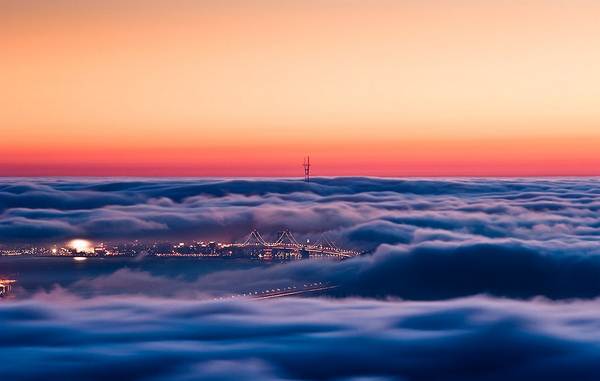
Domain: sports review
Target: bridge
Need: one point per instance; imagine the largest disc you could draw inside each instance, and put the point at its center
(282, 292)
(286, 246)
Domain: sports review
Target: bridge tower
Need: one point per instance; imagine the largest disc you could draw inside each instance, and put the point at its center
(254, 239)
(306, 166)
(286, 238)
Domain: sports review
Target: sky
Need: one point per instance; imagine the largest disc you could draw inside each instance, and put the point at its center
(232, 88)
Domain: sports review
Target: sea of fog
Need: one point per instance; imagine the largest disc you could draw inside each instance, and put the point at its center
(466, 279)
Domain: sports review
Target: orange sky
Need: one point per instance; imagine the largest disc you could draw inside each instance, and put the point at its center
(227, 88)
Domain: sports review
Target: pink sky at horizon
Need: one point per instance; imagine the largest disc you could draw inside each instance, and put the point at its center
(411, 88)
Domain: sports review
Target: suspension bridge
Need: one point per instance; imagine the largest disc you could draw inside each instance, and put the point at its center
(286, 246)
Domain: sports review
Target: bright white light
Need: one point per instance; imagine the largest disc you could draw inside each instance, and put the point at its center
(81, 245)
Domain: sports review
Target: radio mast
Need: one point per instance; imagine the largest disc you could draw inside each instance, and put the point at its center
(306, 166)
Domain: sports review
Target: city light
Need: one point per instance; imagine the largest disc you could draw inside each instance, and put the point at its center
(281, 247)
(81, 246)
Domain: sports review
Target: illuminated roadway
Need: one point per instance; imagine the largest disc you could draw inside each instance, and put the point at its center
(282, 291)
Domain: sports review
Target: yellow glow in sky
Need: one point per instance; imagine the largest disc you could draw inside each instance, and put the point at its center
(211, 88)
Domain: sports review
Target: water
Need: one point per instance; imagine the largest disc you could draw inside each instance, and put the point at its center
(45, 273)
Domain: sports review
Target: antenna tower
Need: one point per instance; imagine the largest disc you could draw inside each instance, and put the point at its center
(306, 166)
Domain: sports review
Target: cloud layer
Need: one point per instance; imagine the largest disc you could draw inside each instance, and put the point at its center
(59, 337)
(431, 239)
(358, 211)
(435, 242)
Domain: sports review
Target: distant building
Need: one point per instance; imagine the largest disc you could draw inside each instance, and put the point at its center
(5, 286)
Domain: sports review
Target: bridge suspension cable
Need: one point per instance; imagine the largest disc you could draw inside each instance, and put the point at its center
(324, 241)
(254, 238)
(286, 235)
(286, 242)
